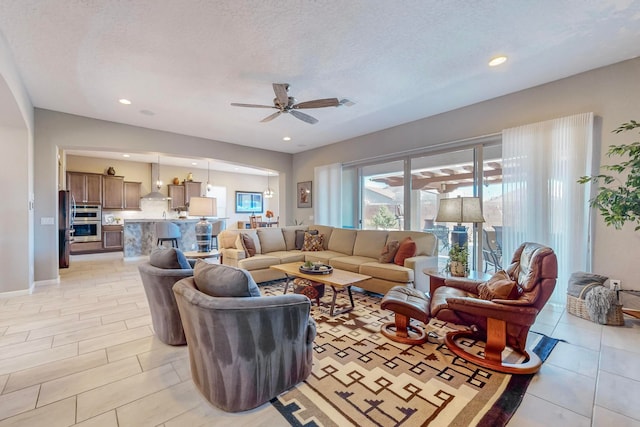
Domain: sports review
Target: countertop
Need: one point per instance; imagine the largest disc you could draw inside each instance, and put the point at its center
(134, 220)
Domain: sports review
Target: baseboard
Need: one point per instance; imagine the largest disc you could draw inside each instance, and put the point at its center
(11, 294)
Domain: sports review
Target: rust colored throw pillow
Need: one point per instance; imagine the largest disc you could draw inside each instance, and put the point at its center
(247, 244)
(407, 249)
(500, 286)
(389, 252)
(313, 242)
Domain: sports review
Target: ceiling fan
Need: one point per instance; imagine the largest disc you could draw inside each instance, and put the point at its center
(287, 104)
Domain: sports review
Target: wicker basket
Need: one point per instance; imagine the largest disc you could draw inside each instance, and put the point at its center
(577, 307)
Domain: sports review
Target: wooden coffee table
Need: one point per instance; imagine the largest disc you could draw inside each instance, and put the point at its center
(337, 279)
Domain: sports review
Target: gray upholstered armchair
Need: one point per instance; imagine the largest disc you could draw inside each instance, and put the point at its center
(164, 269)
(244, 350)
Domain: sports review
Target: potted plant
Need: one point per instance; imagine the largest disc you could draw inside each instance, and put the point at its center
(618, 201)
(458, 264)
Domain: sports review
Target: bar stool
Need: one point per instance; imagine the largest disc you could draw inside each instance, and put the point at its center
(216, 228)
(167, 231)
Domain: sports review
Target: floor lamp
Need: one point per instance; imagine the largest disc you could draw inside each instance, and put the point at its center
(459, 210)
(203, 207)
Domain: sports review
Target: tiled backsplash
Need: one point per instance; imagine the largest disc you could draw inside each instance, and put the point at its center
(150, 209)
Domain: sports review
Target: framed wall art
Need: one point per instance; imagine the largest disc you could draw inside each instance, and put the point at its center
(304, 194)
(248, 202)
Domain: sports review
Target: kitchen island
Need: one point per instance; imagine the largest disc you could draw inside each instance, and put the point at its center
(140, 235)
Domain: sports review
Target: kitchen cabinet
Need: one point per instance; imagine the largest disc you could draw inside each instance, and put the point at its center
(181, 194)
(112, 237)
(112, 192)
(192, 189)
(85, 187)
(176, 192)
(132, 194)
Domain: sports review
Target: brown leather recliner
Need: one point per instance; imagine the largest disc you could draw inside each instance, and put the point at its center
(500, 322)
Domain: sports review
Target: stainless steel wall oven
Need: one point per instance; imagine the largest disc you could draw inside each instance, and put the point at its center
(87, 223)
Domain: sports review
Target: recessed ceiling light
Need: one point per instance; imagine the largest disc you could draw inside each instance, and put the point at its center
(497, 60)
(286, 138)
(194, 163)
(124, 101)
(126, 155)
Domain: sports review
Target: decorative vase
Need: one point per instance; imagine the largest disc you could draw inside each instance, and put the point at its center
(457, 268)
(176, 181)
(111, 171)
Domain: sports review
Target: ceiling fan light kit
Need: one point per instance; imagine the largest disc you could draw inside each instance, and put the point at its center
(287, 104)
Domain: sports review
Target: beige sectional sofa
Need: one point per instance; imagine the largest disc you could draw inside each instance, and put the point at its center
(346, 249)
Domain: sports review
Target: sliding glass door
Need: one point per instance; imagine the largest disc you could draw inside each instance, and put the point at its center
(383, 196)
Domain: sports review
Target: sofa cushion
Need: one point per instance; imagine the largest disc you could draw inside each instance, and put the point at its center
(389, 251)
(426, 243)
(390, 272)
(287, 256)
(218, 280)
(500, 286)
(290, 233)
(245, 243)
(407, 249)
(325, 230)
(342, 241)
(271, 239)
(312, 242)
(169, 258)
(349, 263)
(258, 262)
(321, 256)
(369, 243)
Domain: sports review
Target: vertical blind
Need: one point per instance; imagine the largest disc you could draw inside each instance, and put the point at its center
(542, 201)
(327, 188)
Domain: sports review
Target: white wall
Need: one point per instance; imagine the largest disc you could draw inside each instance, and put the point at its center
(612, 93)
(16, 140)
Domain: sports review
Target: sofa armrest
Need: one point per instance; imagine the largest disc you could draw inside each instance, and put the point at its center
(232, 256)
(417, 264)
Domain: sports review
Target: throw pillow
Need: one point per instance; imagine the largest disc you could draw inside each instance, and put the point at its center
(407, 249)
(300, 237)
(170, 258)
(313, 242)
(581, 283)
(245, 243)
(500, 286)
(389, 252)
(219, 280)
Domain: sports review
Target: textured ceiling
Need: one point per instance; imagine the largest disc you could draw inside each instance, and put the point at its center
(183, 62)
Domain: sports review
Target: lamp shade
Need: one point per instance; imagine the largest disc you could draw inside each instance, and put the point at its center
(459, 210)
(203, 206)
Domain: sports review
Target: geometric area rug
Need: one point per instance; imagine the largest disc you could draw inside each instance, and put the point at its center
(361, 378)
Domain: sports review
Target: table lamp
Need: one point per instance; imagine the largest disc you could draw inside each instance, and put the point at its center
(203, 207)
(459, 210)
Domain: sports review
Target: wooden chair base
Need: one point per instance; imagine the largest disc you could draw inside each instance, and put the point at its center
(402, 331)
(493, 355)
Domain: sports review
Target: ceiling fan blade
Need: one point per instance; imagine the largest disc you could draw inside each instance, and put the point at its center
(318, 103)
(304, 117)
(236, 104)
(280, 89)
(271, 117)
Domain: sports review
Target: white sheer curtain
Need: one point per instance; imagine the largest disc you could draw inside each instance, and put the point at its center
(542, 202)
(327, 196)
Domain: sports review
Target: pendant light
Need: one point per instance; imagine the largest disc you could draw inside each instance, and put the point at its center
(268, 193)
(209, 186)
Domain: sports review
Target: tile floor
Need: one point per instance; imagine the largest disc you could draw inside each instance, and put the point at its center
(83, 353)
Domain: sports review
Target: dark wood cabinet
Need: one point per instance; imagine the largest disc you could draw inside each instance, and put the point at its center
(181, 193)
(112, 237)
(192, 189)
(132, 194)
(176, 192)
(85, 187)
(112, 192)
